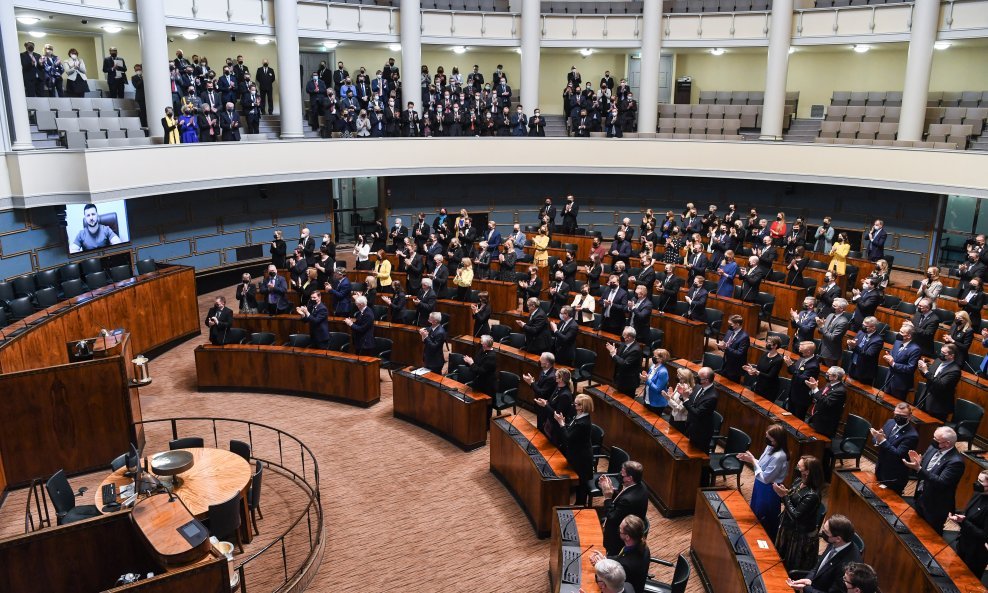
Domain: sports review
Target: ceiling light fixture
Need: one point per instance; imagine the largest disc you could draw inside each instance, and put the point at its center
(941, 45)
(28, 20)
(262, 40)
(459, 49)
(190, 36)
(36, 34)
(586, 52)
(112, 28)
(717, 51)
(330, 44)
(861, 48)
(792, 50)
(395, 47)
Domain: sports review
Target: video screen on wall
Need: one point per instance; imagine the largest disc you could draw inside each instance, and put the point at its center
(96, 226)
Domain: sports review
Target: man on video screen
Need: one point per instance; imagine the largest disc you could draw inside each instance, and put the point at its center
(93, 234)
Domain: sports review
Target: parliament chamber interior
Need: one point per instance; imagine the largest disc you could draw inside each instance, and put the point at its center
(623, 296)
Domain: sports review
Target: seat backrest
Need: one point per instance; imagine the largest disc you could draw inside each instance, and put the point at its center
(186, 443)
(616, 459)
(120, 273)
(255, 485)
(856, 427)
(91, 265)
(24, 285)
(60, 492)
(224, 518)
(73, 288)
(680, 575)
(967, 411)
(69, 272)
(507, 381)
(46, 297)
(737, 441)
(262, 339)
(46, 278)
(241, 448)
(299, 340)
(146, 266)
(383, 345)
(21, 308)
(97, 280)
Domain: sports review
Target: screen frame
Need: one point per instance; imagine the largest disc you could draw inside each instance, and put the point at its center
(123, 224)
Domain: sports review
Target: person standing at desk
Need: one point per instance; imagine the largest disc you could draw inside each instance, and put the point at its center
(396, 302)
(633, 555)
(939, 471)
(865, 348)
(425, 303)
(564, 337)
(827, 574)
(656, 380)
(218, 320)
(275, 288)
(575, 438)
(893, 442)
(433, 338)
(973, 519)
(481, 314)
(700, 407)
(278, 250)
(941, 383)
(553, 395)
(832, 330)
(318, 317)
(902, 361)
(807, 367)
(247, 295)
(735, 348)
(727, 270)
(630, 499)
(484, 367)
(766, 370)
(362, 326)
(797, 538)
(538, 336)
(770, 469)
(804, 322)
(627, 362)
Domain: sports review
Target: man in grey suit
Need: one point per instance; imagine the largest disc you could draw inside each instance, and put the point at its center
(832, 330)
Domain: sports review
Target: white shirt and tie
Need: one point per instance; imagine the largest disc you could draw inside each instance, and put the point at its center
(610, 299)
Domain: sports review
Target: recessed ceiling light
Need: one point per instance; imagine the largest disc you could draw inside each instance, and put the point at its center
(330, 44)
(28, 20)
(190, 36)
(941, 45)
(861, 48)
(792, 49)
(518, 50)
(36, 34)
(395, 47)
(262, 40)
(586, 52)
(112, 28)
(717, 51)
(459, 49)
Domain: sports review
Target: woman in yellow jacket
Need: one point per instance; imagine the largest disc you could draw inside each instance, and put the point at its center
(541, 245)
(463, 279)
(839, 252)
(382, 269)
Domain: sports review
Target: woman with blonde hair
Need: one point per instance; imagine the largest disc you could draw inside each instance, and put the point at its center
(930, 287)
(575, 438)
(541, 245)
(880, 275)
(838, 254)
(685, 382)
(463, 279)
(961, 334)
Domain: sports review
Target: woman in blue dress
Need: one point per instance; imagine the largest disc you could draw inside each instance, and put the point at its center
(188, 126)
(656, 379)
(771, 468)
(728, 269)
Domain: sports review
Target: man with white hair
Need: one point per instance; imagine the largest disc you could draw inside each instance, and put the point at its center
(362, 326)
(939, 471)
(318, 319)
(425, 303)
(828, 403)
(398, 233)
(627, 362)
(832, 330)
(484, 367)
(433, 337)
(902, 361)
(751, 280)
(610, 577)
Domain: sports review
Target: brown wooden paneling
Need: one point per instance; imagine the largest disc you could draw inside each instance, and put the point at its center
(434, 401)
(509, 359)
(585, 523)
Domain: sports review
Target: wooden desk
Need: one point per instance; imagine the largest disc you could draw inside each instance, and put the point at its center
(532, 469)
(746, 410)
(731, 550)
(509, 359)
(284, 369)
(683, 337)
(159, 522)
(217, 476)
(460, 316)
(673, 466)
(902, 547)
(576, 533)
(453, 410)
(503, 295)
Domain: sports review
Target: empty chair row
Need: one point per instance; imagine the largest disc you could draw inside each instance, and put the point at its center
(870, 98)
(680, 125)
(854, 129)
(742, 97)
(83, 106)
(894, 98)
(957, 99)
(893, 143)
(681, 136)
(592, 7)
(73, 130)
(958, 134)
(841, 3)
(860, 113)
(695, 6)
(968, 116)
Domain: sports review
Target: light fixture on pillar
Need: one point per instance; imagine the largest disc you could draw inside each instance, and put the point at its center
(792, 50)
(330, 44)
(190, 35)
(586, 52)
(395, 47)
(718, 51)
(262, 40)
(37, 34)
(861, 48)
(459, 49)
(941, 45)
(28, 20)
(112, 29)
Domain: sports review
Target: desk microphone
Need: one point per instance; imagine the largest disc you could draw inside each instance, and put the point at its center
(865, 485)
(576, 559)
(751, 582)
(935, 571)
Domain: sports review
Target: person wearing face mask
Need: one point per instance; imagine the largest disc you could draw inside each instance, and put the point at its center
(170, 127)
(770, 469)
(230, 124)
(972, 300)
(973, 520)
(696, 301)
(893, 442)
(902, 361)
(227, 86)
(823, 238)
(77, 83)
(614, 304)
(828, 404)
(209, 126)
(115, 69)
(797, 541)
(188, 126)
(536, 124)
(734, 347)
(32, 69)
(264, 77)
(519, 121)
(939, 471)
(247, 295)
(941, 383)
(828, 572)
(876, 241)
(766, 370)
(930, 287)
(274, 288)
(53, 71)
(656, 380)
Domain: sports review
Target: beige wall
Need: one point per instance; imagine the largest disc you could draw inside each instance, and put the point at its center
(960, 69)
(816, 75)
(729, 72)
(555, 67)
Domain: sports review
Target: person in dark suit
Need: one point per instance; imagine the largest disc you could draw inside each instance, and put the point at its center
(804, 322)
(558, 294)
(484, 367)
(317, 315)
(552, 394)
(807, 367)
(700, 407)
(640, 312)
(567, 265)
(941, 383)
(627, 362)
(826, 294)
(735, 348)
(866, 302)
(696, 300)
(230, 124)
(832, 330)
(972, 300)
(828, 403)
(902, 362)
(939, 471)
(893, 442)
(433, 338)
(751, 280)
(925, 326)
(828, 573)
(646, 275)
(308, 246)
(274, 288)
(362, 326)
(481, 315)
(865, 347)
(564, 336)
(614, 306)
(219, 318)
(115, 69)
(667, 289)
(570, 211)
(630, 499)
(440, 273)
(973, 519)
(265, 83)
(574, 436)
(876, 241)
(766, 253)
(32, 69)
(538, 336)
(398, 233)
(396, 302)
(697, 262)
(425, 303)
(620, 249)
(341, 289)
(633, 553)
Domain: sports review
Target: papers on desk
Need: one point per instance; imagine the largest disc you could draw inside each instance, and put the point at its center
(420, 371)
